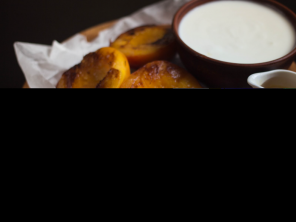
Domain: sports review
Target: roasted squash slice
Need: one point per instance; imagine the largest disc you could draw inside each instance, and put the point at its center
(146, 44)
(95, 67)
(161, 74)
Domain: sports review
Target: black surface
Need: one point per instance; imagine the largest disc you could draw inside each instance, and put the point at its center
(42, 22)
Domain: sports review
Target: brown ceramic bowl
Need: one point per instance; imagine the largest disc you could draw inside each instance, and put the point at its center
(218, 74)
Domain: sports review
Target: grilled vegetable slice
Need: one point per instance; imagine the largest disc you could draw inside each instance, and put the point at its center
(146, 44)
(161, 74)
(95, 67)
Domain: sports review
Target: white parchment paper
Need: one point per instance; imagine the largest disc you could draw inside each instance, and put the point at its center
(44, 65)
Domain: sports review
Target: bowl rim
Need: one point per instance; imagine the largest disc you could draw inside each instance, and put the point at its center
(191, 5)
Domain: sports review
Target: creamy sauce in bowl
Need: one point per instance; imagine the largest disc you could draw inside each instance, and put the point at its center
(238, 32)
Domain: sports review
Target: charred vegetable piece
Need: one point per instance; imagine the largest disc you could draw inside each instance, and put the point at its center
(95, 67)
(161, 74)
(146, 44)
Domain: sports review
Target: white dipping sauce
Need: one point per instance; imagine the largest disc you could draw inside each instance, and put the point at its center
(238, 32)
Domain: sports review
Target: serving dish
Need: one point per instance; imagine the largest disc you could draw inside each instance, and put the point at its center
(219, 74)
(273, 79)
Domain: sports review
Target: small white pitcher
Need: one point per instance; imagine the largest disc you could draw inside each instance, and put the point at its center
(279, 78)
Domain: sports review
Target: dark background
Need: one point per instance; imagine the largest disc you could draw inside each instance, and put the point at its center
(38, 21)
